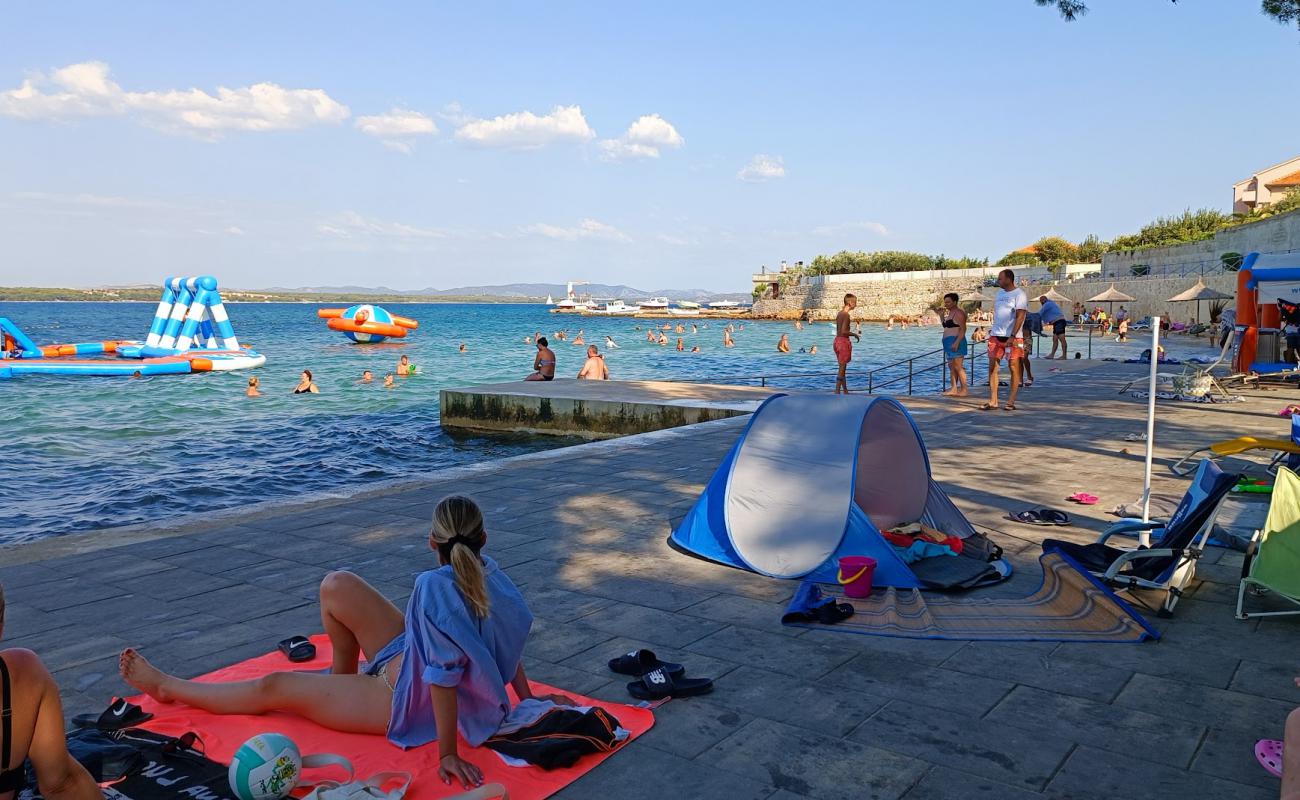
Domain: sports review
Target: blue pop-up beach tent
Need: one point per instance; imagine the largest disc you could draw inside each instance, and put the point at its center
(815, 477)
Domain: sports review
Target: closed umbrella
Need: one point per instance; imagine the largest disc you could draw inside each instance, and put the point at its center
(1198, 293)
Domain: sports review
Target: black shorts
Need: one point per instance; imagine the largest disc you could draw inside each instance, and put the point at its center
(1058, 327)
(548, 377)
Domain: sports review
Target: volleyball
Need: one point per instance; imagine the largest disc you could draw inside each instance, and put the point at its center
(266, 767)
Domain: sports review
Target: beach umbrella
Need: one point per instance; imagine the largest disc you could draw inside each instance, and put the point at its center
(1056, 297)
(1110, 297)
(1198, 293)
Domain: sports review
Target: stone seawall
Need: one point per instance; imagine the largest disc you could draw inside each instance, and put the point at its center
(1278, 234)
(877, 299)
(1151, 295)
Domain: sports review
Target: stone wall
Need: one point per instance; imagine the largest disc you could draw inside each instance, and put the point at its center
(1150, 293)
(877, 299)
(1278, 234)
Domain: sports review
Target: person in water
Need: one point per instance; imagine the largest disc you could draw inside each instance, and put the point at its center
(579, 339)
(367, 376)
(443, 665)
(726, 338)
(783, 345)
(33, 729)
(954, 344)
(681, 344)
(389, 383)
(650, 336)
(544, 363)
(662, 338)
(812, 351)
(463, 348)
(594, 369)
(251, 391)
(695, 349)
(405, 367)
(610, 344)
(306, 385)
(842, 346)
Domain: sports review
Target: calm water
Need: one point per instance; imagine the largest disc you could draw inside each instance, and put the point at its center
(94, 452)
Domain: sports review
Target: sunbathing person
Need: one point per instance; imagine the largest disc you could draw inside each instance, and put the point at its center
(444, 664)
(33, 729)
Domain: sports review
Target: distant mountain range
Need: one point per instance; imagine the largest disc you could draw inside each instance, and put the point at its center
(526, 291)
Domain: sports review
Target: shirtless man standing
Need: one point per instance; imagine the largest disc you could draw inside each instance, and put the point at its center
(595, 368)
(544, 364)
(843, 347)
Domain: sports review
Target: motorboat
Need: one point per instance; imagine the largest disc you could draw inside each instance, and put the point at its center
(654, 304)
(724, 304)
(613, 307)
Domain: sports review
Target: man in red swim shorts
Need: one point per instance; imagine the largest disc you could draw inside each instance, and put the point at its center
(1006, 337)
(843, 347)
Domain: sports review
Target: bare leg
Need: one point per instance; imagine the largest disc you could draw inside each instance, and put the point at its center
(841, 382)
(351, 703)
(357, 619)
(959, 377)
(993, 382)
(1291, 757)
(1014, 363)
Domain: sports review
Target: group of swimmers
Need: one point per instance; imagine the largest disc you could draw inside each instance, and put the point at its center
(307, 384)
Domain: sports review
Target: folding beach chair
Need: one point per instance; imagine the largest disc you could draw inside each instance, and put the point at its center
(1170, 563)
(1273, 556)
(1287, 450)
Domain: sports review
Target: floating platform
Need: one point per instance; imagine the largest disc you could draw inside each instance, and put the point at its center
(593, 409)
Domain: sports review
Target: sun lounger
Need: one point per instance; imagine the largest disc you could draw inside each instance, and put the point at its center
(1283, 449)
(1170, 563)
(1272, 562)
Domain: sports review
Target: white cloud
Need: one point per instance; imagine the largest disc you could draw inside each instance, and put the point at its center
(525, 130)
(351, 225)
(642, 139)
(397, 128)
(831, 230)
(586, 229)
(762, 168)
(86, 89)
(86, 199)
(235, 230)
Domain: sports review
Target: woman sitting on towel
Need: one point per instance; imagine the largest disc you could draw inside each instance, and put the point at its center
(445, 662)
(32, 728)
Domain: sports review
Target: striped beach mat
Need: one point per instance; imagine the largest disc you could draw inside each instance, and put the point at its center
(1070, 606)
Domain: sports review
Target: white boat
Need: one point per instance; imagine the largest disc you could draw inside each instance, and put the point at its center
(688, 304)
(654, 304)
(683, 311)
(572, 302)
(613, 307)
(724, 304)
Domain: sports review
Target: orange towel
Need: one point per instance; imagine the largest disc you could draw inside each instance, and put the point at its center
(223, 734)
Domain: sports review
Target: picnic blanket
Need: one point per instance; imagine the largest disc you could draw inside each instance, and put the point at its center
(223, 734)
(1070, 606)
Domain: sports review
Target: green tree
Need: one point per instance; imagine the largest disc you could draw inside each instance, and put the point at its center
(1091, 249)
(1284, 11)
(1055, 250)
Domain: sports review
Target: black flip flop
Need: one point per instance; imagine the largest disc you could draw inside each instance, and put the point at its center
(1029, 517)
(119, 714)
(659, 684)
(639, 662)
(1053, 517)
(831, 613)
(297, 649)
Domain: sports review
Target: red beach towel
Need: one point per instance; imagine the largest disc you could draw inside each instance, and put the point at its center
(223, 734)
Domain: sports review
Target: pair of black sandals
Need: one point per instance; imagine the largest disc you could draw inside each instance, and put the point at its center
(657, 680)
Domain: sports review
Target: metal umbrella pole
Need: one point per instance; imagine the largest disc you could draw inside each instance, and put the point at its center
(1144, 536)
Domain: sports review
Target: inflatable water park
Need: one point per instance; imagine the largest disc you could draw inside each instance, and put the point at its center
(191, 332)
(366, 323)
(1268, 291)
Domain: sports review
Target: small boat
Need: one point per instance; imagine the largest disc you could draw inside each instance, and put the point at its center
(613, 307)
(654, 304)
(684, 311)
(724, 304)
(688, 304)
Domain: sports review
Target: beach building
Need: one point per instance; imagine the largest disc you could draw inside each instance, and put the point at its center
(1265, 186)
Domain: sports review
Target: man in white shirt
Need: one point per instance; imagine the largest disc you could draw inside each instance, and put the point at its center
(1006, 338)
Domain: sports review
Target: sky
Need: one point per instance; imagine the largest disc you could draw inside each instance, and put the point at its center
(660, 145)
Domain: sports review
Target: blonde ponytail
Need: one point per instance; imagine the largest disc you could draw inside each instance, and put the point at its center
(459, 536)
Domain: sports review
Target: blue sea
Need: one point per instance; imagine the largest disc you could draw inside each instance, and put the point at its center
(84, 453)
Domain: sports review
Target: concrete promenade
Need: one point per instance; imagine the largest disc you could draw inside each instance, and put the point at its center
(795, 713)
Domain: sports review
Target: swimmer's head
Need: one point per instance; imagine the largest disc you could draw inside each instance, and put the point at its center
(306, 375)
(591, 351)
(541, 341)
(366, 374)
(252, 382)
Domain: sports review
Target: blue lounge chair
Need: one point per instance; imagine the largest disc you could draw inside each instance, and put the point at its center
(1170, 563)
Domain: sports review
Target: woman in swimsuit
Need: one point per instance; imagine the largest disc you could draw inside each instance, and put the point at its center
(306, 385)
(31, 727)
(544, 364)
(252, 391)
(442, 665)
(954, 344)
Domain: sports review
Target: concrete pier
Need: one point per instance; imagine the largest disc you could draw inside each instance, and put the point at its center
(593, 409)
(795, 713)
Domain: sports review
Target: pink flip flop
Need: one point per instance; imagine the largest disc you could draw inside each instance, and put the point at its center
(1269, 754)
(1084, 499)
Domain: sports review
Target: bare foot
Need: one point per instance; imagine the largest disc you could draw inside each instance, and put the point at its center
(962, 393)
(137, 671)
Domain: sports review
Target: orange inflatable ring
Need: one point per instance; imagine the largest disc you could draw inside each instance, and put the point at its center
(374, 328)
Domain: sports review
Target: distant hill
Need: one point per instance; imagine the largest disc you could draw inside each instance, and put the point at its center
(525, 291)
